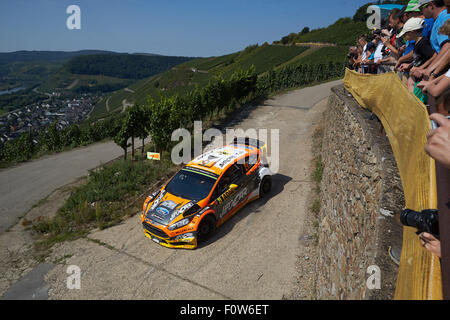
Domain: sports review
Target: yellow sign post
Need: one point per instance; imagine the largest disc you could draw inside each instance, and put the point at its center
(153, 156)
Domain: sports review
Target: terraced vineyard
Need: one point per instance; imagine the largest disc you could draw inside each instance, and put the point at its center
(198, 72)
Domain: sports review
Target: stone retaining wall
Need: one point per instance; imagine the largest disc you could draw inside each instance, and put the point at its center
(361, 198)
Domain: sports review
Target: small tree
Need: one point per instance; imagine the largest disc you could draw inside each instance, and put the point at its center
(121, 139)
(305, 30)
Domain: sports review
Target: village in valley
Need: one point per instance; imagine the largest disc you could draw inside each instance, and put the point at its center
(57, 109)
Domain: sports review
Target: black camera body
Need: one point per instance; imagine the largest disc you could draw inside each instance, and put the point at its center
(425, 221)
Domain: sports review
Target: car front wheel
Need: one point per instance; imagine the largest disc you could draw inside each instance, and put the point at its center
(206, 228)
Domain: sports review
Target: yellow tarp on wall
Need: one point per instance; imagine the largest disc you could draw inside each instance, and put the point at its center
(406, 122)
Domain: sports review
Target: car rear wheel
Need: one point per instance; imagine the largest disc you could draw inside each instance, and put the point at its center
(265, 187)
(206, 228)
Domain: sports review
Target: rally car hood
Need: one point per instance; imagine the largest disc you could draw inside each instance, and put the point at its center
(167, 208)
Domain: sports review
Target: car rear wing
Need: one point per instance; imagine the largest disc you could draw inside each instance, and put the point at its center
(262, 146)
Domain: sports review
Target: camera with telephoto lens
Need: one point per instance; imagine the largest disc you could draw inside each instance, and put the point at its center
(377, 32)
(425, 221)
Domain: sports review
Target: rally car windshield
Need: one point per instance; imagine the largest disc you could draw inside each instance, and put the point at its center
(190, 185)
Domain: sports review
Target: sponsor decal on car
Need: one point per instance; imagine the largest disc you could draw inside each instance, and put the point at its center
(163, 211)
(225, 196)
(230, 205)
(169, 204)
(158, 200)
(182, 210)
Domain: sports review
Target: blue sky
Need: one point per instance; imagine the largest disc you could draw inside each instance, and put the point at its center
(171, 27)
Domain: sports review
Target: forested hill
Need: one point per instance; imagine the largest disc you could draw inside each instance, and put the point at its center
(125, 66)
(43, 56)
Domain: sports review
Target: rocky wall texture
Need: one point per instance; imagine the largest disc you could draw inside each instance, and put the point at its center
(361, 198)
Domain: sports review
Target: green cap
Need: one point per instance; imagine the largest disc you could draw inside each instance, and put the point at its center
(413, 6)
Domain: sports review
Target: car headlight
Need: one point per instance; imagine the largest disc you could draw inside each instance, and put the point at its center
(180, 224)
(184, 236)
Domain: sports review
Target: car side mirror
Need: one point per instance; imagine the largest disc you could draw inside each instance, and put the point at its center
(227, 193)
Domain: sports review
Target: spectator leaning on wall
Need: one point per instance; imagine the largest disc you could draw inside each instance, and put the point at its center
(438, 147)
(423, 51)
(437, 10)
(437, 86)
(368, 64)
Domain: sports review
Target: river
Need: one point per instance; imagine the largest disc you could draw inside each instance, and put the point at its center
(12, 90)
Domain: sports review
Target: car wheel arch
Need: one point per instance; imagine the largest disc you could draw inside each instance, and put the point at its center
(209, 212)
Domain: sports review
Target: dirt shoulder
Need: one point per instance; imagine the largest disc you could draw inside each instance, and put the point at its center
(17, 254)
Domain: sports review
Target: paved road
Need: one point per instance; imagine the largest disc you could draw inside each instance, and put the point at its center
(252, 256)
(23, 186)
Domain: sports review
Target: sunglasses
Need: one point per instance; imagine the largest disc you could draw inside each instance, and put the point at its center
(425, 6)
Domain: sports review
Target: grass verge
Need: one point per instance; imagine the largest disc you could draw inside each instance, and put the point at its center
(113, 192)
(317, 175)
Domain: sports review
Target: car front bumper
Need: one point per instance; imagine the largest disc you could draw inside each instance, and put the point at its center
(187, 240)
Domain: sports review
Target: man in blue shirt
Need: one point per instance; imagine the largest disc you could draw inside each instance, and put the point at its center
(434, 9)
(440, 15)
(427, 28)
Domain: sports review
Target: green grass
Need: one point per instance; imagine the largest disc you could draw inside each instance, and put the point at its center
(318, 171)
(325, 55)
(207, 64)
(61, 80)
(315, 207)
(99, 109)
(264, 58)
(109, 195)
(343, 32)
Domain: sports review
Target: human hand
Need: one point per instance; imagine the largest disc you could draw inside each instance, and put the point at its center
(423, 84)
(438, 140)
(427, 75)
(404, 67)
(386, 32)
(417, 73)
(430, 243)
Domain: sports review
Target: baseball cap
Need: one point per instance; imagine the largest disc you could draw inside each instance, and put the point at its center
(413, 6)
(421, 3)
(411, 25)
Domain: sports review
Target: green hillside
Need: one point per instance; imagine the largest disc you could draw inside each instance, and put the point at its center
(106, 73)
(28, 68)
(344, 32)
(336, 54)
(124, 66)
(199, 72)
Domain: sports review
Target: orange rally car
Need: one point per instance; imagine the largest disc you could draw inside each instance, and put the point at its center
(205, 193)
